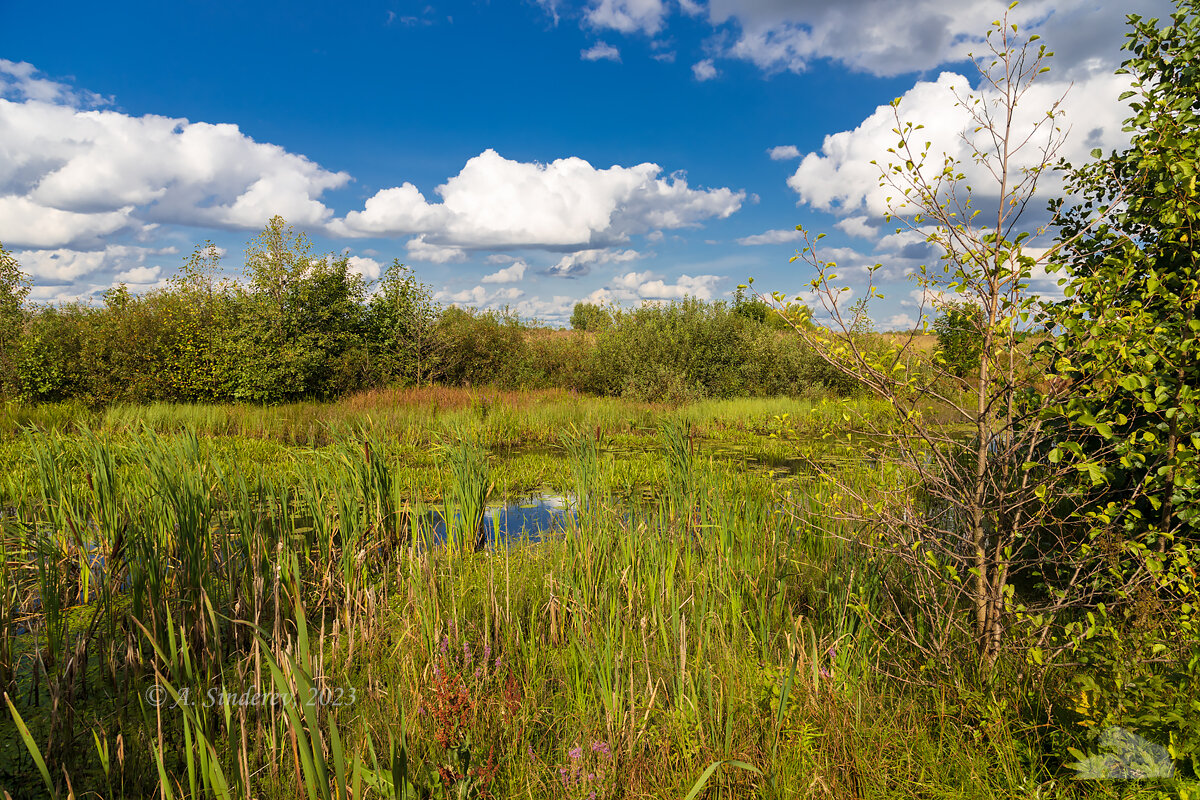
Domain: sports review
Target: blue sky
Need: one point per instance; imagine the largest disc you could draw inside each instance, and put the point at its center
(529, 154)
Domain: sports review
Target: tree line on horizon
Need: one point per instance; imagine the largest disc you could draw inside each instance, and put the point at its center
(302, 326)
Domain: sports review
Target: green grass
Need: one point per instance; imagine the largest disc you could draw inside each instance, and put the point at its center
(704, 627)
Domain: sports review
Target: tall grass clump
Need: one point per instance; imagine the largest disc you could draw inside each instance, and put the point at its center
(699, 628)
(467, 487)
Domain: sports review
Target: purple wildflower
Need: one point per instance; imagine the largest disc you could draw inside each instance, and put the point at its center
(602, 748)
(575, 753)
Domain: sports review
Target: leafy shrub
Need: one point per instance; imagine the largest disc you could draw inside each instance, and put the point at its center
(959, 330)
(590, 317)
(478, 348)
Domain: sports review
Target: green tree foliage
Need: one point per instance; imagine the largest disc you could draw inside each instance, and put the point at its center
(960, 540)
(196, 316)
(402, 326)
(303, 326)
(1135, 281)
(14, 288)
(299, 320)
(695, 348)
(959, 330)
(590, 317)
(1127, 362)
(479, 348)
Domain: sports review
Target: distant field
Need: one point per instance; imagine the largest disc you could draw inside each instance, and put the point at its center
(921, 342)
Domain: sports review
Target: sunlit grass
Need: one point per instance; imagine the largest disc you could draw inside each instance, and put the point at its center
(703, 607)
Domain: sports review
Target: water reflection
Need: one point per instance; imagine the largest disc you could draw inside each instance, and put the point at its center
(529, 519)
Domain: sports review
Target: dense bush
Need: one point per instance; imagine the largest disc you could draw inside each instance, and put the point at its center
(478, 348)
(305, 326)
(959, 330)
(590, 317)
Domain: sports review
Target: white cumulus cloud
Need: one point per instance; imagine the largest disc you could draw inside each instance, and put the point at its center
(494, 202)
(480, 296)
(20, 79)
(772, 237)
(841, 178)
(652, 286)
(71, 175)
(898, 322)
(368, 268)
(600, 51)
(859, 227)
(64, 275)
(510, 274)
(573, 265)
(421, 250)
(627, 16)
(884, 37)
(784, 152)
(704, 70)
(140, 275)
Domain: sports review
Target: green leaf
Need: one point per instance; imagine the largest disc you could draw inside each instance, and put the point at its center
(30, 745)
(702, 781)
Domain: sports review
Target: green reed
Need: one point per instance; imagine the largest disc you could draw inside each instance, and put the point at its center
(468, 485)
(697, 616)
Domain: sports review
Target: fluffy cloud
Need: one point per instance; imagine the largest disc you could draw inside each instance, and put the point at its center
(20, 79)
(65, 275)
(898, 322)
(495, 202)
(600, 51)
(140, 275)
(70, 176)
(627, 16)
(883, 37)
(704, 70)
(60, 265)
(858, 227)
(368, 268)
(24, 223)
(573, 265)
(784, 152)
(842, 179)
(772, 237)
(421, 250)
(510, 274)
(480, 296)
(556, 310)
(888, 38)
(651, 286)
(400, 209)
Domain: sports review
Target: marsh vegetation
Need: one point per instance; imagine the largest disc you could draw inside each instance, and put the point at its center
(252, 538)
